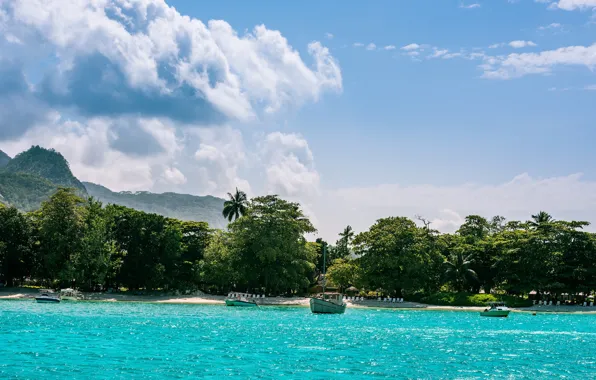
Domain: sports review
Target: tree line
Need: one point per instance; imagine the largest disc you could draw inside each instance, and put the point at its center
(81, 243)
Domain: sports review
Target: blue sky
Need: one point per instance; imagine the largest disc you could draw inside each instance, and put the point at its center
(434, 121)
(452, 107)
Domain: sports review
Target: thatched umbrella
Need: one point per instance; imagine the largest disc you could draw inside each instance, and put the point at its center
(352, 290)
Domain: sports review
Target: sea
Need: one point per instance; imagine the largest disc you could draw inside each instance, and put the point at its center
(103, 340)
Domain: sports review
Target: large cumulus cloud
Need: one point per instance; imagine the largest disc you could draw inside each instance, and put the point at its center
(113, 58)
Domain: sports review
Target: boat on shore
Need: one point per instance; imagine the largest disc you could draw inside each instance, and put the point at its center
(327, 303)
(240, 301)
(497, 309)
(47, 296)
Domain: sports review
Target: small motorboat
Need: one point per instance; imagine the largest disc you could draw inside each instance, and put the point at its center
(497, 309)
(47, 296)
(240, 301)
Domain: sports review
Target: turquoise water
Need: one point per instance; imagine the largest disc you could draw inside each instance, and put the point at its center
(88, 340)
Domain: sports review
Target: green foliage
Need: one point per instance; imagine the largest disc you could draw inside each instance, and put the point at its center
(24, 191)
(177, 206)
(4, 158)
(235, 206)
(470, 299)
(397, 255)
(16, 258)
(270, 247)
(48, 164)
(343, 273)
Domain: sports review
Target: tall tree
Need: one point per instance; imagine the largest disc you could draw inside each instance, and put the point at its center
(459, 272)
(235, 206)
(271, 248)
(92, 261)
(542, 220)
(395, 255)
(61, 232)
(16, 256)
(343, 246)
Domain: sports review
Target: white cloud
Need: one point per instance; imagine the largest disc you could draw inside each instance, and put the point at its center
(389, 47)
(358, 44)
(590, 87)
(117, 57)
(220, 156)
(371, 46)
(567, 197)
(570, 5)
(411, 47)
(329, 36)
(174, 176)
(520, 44)
(469, 6)
(554, 25)
(289, 165)
(518, 65)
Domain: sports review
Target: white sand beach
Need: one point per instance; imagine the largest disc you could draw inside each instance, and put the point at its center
(205, 299)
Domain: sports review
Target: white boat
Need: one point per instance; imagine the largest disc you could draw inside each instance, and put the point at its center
(497, 309)
(71, 295)
(47, 296)
(327, 303)
(239, 300)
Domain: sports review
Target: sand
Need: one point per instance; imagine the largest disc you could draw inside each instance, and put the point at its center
(203, 299)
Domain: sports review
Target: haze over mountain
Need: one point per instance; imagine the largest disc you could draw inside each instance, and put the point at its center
(34, 175)
(173, 205)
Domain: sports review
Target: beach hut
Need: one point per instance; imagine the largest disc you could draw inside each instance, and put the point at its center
(352, 291)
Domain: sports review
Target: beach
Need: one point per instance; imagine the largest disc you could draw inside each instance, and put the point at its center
(206, 299)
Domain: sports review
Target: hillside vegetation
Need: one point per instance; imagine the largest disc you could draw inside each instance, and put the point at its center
(172, 205)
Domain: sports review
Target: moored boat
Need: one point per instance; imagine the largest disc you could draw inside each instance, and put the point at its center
(47, 296)
(71, 295)
(327, 303)
(497, 309)
(240, 301)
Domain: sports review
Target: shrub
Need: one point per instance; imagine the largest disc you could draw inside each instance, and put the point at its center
(469, 299)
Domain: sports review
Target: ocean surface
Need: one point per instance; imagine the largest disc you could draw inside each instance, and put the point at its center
(92, 340)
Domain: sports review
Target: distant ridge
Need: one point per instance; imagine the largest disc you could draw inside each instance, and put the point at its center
(4, 158)
(31, 177)
(180, 206)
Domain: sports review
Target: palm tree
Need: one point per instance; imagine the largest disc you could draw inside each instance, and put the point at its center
(541, 220)
(235, 206)
(347, 234)
(458, 271)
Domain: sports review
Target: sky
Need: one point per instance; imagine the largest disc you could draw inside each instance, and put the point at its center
(357, 110)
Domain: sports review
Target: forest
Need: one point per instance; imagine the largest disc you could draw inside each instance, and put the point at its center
(77, 242)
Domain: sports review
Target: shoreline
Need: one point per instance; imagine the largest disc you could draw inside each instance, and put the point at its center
(204, 299)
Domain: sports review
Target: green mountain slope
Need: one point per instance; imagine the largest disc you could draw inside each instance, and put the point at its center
(47, 164)
(4, 158)
(24, 191)
(180, 206)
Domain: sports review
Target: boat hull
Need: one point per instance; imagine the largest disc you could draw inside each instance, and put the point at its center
(319, 306)
(496, 314)
(47, 300)
(240, 303)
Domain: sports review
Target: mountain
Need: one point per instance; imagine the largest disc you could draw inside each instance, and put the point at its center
(33, 176)
(24, 191)
(47, 164)
(4, 158)
(173, 205)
